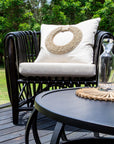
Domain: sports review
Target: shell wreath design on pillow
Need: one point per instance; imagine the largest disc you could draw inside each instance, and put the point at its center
(56, 49)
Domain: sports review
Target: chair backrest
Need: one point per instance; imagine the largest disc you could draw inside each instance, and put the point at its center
(25, 47)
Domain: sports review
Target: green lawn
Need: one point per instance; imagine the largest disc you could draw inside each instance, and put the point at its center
(3, 88)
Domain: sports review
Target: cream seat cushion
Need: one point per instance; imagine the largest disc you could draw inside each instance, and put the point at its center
(68, 43)
(57, 69)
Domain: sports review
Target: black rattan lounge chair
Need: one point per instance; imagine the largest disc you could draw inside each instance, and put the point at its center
(23, 47)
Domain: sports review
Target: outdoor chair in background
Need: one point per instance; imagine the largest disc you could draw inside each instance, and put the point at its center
(60, 56)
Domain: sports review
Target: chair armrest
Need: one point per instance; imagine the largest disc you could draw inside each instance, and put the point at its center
(23, 45)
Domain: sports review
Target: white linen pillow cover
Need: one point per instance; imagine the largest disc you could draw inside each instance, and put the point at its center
(82, 53)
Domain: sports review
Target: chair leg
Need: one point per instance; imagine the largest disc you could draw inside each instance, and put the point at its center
(15, 114)
(28, 126)
(59, 128)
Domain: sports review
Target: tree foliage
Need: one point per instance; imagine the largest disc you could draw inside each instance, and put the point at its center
(30, 14)
(13, 16)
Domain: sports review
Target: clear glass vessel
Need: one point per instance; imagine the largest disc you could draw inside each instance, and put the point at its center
(106, 66)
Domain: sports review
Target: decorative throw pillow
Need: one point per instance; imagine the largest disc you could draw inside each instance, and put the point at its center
(68, 43)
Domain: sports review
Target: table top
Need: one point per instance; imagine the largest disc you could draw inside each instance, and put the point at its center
(64, 106)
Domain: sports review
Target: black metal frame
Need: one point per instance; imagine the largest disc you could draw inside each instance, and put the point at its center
(24, 46)
(60, 133)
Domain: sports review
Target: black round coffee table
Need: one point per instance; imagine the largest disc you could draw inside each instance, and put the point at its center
(67, 108)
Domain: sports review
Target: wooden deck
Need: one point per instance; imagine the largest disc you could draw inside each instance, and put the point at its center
(11, 134)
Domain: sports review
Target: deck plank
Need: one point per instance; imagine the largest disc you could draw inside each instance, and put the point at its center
(15, 134)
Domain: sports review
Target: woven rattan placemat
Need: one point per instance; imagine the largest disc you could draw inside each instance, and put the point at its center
(95, 94)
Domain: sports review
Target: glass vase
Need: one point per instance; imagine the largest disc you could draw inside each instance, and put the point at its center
(106, 66)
